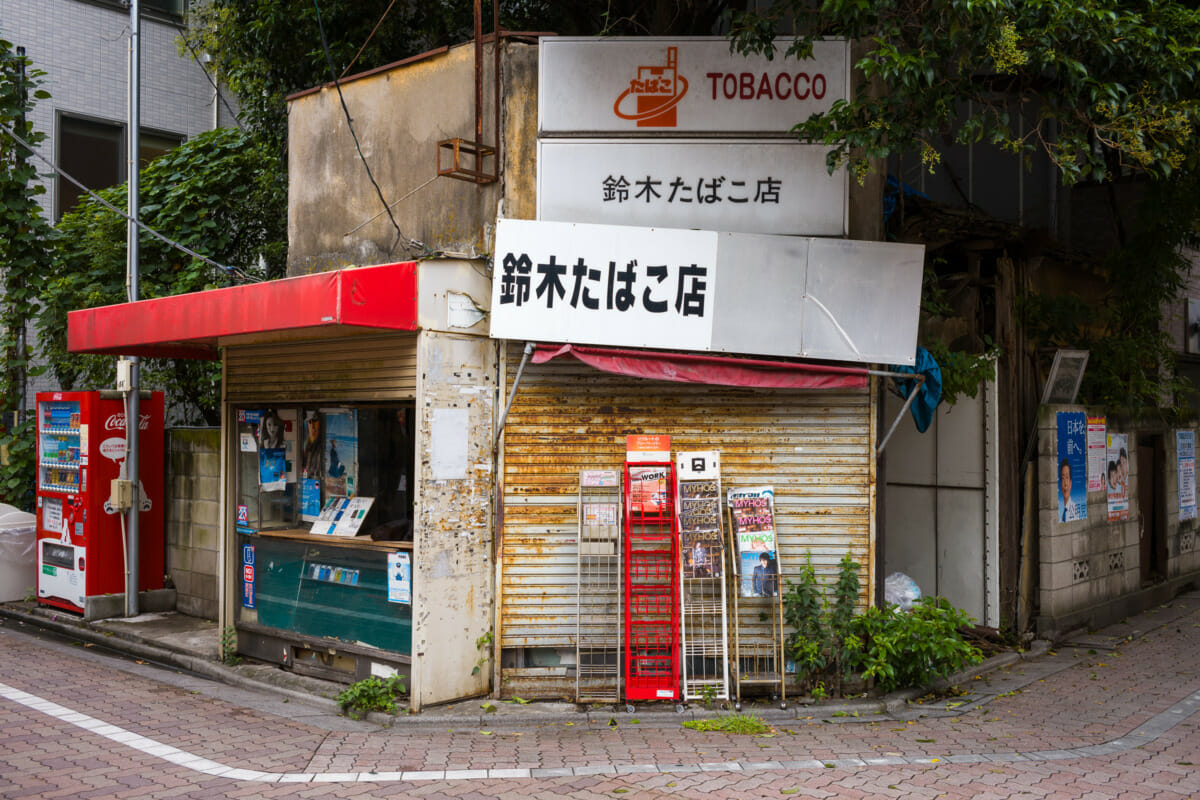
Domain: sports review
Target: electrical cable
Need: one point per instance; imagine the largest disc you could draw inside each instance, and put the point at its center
(170, 242)
(217, 89)
(350, 125)
(369, 37)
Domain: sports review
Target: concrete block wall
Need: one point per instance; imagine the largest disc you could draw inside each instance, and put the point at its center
(1091, 560)
(1090, 569)
(193, 518)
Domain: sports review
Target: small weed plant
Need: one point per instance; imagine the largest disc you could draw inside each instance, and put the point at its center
(740, 724)
(229, 646)
(372, 694)
(895, 648)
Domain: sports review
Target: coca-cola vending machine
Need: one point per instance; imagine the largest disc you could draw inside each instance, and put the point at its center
(81, 448)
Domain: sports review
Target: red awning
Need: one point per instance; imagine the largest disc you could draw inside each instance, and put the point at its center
(720, 370)
(191, 325)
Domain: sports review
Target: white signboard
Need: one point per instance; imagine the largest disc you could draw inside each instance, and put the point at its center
(742, 185)
(700, 290)
(632, 287)
(682, 86)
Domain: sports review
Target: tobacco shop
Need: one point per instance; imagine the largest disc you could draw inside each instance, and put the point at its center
(358, 410)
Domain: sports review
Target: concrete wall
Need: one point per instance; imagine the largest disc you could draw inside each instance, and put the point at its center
(193, 518)
(1090, 570)
(335, 216)
(452, 540)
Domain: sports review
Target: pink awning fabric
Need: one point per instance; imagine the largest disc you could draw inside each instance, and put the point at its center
(717, 370)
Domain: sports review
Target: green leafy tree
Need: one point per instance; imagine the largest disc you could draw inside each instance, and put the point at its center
(24, 239)
(218, 194)
(1107, 91)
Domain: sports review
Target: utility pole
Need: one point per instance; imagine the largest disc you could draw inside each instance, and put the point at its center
(132, 400)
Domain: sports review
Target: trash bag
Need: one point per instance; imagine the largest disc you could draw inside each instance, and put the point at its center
(901, 590)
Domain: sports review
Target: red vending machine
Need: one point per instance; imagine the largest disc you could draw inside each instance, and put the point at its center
(81, 448)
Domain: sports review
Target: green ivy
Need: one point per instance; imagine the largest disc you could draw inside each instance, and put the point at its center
(25, 237)
(215, 194)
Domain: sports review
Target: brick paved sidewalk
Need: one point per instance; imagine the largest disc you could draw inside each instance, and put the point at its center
(1015, 733)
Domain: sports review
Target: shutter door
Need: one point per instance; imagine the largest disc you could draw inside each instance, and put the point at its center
(360, 368)
(813, 446)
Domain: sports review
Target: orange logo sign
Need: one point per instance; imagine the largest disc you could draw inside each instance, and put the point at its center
(657, 91)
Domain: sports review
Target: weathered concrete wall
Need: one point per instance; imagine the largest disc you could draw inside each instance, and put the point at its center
(452, 539)
(335, 216)
(193, 518)
(1090, 569)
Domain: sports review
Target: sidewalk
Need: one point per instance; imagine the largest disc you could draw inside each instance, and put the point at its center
(192, 644)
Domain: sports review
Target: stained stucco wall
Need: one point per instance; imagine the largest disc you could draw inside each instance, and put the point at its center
(335, 215)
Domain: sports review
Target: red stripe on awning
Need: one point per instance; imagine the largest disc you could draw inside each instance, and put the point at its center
(719, 370)
(191, 325)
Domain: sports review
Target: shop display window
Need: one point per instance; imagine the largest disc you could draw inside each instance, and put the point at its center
(343, 471)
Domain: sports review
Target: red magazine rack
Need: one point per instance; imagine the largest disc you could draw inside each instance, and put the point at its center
(651, 582)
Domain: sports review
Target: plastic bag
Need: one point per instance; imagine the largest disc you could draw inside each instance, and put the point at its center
(901, 590)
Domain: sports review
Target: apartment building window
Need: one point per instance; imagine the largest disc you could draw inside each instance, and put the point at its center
(93, 152)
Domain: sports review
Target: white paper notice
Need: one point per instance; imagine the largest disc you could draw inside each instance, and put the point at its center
(448, 444)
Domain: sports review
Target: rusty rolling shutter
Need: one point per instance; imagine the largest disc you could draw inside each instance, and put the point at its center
(813, 446)
(358, 368)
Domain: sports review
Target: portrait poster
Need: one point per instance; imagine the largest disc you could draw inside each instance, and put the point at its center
(341, 452)
(290, 434)
(1071, 463)
(752, 523)
(1096, 451)
(1116, 476)
(1185, 447)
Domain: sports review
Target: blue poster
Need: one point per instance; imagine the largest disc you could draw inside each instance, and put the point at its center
(399, 578)
(1072, 466)
(310, 499)
(272, 469)
(341, 453)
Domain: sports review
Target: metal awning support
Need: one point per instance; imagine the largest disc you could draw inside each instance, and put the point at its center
(529, 347)
(920, 379)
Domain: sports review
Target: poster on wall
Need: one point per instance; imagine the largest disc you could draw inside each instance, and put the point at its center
(698, 501)
(1096, 453)
(272, 469)
(341, 452)
(1072, 466)
(1116, 476)
(310, 499)
(752, 522)
(399, 578)
(289, 417)
(1185, 447)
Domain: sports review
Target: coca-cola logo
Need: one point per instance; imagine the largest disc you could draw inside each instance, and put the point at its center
(116, 422)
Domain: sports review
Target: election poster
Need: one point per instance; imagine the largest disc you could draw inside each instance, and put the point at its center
(1096, 453)
(1185, 447)
(1116, 476)
(1072, 466)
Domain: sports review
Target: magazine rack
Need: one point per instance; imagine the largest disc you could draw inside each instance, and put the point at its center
(758, 633)
(704, 623)
(651, 582)
(598, 623)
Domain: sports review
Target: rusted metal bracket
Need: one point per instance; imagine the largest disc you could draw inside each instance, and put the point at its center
(478, 151)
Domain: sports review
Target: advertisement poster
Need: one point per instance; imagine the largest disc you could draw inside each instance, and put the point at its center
(1185, 447)
(341, 452)
(290, 426)
(752, 517)
(1072, 466)
(342, 516)
(272, 469)
(699, 509)
(248, 576)
(647, 491)
(310, 499)
(1116, 476)
(399, 578)
(1096, 454)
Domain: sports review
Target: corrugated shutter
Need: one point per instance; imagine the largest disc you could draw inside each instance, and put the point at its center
(351, 368)
(813, 446)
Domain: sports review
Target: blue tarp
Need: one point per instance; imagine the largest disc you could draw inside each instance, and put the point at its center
(927, 401)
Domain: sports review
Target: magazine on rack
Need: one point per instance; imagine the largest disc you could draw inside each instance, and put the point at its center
(752, 521)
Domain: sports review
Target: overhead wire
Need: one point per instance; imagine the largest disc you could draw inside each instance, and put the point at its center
(217, 89)
(357, 146)
(369, 37)
(143, 226)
